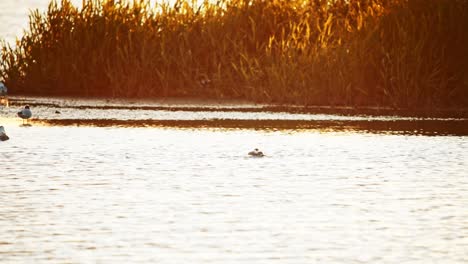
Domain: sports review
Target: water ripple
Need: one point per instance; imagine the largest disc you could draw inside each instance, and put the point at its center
(144, 195)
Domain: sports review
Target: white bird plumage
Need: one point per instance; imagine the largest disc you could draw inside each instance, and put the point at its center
(25, 113)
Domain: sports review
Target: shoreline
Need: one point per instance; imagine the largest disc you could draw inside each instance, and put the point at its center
(227, 105)
(189, 113)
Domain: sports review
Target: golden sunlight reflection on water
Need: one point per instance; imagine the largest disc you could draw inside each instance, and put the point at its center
(104, 113)
(165, 195)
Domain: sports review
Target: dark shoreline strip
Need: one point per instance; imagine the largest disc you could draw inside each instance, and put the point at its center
(405, 127)
(338, 110)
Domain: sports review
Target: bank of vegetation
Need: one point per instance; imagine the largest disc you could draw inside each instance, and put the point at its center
(387, 53)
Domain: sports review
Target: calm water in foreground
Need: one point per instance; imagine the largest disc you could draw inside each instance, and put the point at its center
(85, 194)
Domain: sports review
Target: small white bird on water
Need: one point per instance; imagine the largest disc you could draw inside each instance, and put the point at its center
(3, 135)
(256, 153)
(25, 114)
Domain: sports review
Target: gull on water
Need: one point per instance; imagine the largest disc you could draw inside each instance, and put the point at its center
(25, 114)
(3, 135)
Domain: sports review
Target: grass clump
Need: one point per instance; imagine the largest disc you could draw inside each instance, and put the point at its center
(396, 53)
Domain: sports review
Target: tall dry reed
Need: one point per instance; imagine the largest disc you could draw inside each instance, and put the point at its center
(398, 53)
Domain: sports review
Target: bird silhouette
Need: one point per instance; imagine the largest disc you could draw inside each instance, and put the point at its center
(256, 153)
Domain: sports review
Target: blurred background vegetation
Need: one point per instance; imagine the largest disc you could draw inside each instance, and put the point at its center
(392, 53)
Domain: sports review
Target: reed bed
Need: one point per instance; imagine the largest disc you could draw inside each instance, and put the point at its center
(391, 53)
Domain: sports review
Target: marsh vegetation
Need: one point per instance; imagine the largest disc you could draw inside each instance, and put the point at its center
(388, 53)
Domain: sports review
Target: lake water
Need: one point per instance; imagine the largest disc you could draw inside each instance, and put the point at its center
(110, 192)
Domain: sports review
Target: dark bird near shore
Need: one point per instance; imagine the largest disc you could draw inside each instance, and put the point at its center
(3, 94)
(3, 135)
(256, 153)
(25, 114)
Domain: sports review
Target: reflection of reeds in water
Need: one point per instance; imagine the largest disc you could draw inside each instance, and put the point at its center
(402, 53)
(401, 127)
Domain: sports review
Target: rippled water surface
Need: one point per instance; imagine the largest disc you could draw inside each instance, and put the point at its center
(84, 194)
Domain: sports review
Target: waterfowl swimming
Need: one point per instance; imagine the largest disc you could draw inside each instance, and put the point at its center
(25, 113)
(256, 153)
(3, 135)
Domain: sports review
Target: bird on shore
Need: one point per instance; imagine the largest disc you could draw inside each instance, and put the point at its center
(256, 153)
(3, 89)
(3, 135)
(3, 94)
(25, 114)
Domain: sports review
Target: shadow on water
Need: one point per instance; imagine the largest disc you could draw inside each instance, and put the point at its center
(398, 127)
